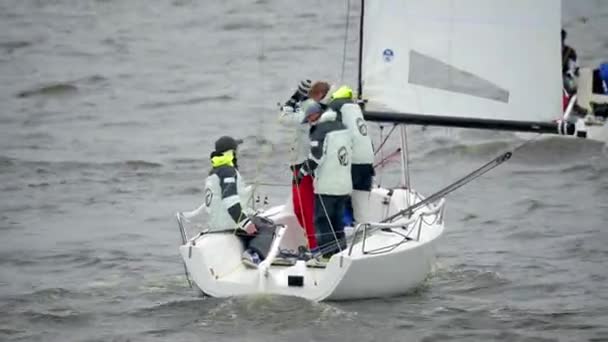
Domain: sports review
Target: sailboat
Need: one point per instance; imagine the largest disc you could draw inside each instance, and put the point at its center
(488, 64)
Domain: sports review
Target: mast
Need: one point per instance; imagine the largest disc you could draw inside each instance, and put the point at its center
(360, 84)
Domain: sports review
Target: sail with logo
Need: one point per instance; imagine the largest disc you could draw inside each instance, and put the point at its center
(489, 64)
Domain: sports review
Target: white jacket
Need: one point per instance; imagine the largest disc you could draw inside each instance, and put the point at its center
(352, 117)
(227, 201)
(299, 144)
(331, 153)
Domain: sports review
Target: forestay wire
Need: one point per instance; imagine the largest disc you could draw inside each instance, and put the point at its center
(460, 182)
(264, 149)
(346, 27)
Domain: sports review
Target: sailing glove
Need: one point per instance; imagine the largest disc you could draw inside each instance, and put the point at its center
(248, 226)
(300, 94)
(298, 178)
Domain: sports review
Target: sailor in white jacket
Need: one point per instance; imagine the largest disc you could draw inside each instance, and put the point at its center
(350, 114)
(329, 160)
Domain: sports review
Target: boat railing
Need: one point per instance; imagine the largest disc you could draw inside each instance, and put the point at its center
(182, 230)
(364, 229)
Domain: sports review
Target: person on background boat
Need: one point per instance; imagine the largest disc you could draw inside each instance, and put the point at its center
(292, 115)
(329, 159)
(569, 66)
(226, 203)
(600, 79)
(362, 169)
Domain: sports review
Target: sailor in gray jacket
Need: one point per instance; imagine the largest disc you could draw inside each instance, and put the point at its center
(227, 204)
(292, 116)
(330, 161)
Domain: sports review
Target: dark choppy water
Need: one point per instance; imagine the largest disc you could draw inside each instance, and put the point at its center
(109, 109)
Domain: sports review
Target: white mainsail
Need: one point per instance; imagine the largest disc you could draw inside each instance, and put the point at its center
(481, 59)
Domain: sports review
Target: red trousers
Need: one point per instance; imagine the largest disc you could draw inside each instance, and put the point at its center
(303, 207)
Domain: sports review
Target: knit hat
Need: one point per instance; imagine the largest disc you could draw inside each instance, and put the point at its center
(304, 88)
(226, 143)
(311, 109)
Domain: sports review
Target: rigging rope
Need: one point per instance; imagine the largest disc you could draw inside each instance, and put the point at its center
(407, 158)
(383, 141)
(264, 149)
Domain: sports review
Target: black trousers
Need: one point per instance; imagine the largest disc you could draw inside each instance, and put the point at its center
(362, 175)
(329, 212)
(261, 241)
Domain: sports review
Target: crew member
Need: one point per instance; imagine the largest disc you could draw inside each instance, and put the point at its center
(330, 160)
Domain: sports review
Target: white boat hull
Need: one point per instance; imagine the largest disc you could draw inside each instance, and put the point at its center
(383, 263)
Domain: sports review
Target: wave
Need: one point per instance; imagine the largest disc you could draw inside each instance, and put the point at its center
(103, 259)
(486, 149)
(180, 161)
(38, 298)
(61, 88)
(275, 312)
(140, 164)
(10, 46)
(56, 89)
(463, 279)
(495, 321)
(10, 332)
(46, 166)
(531, 205)
(190, 191)
(191, 101)
(63, 316)
(293, 48)
(14, 259)
(124, 124)
(38, 185)
(469, 217)
(50, 295)
(578, 168)
(82, 258)
(6, 162)
(245, 25)
(169, 308)
(557, 151)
